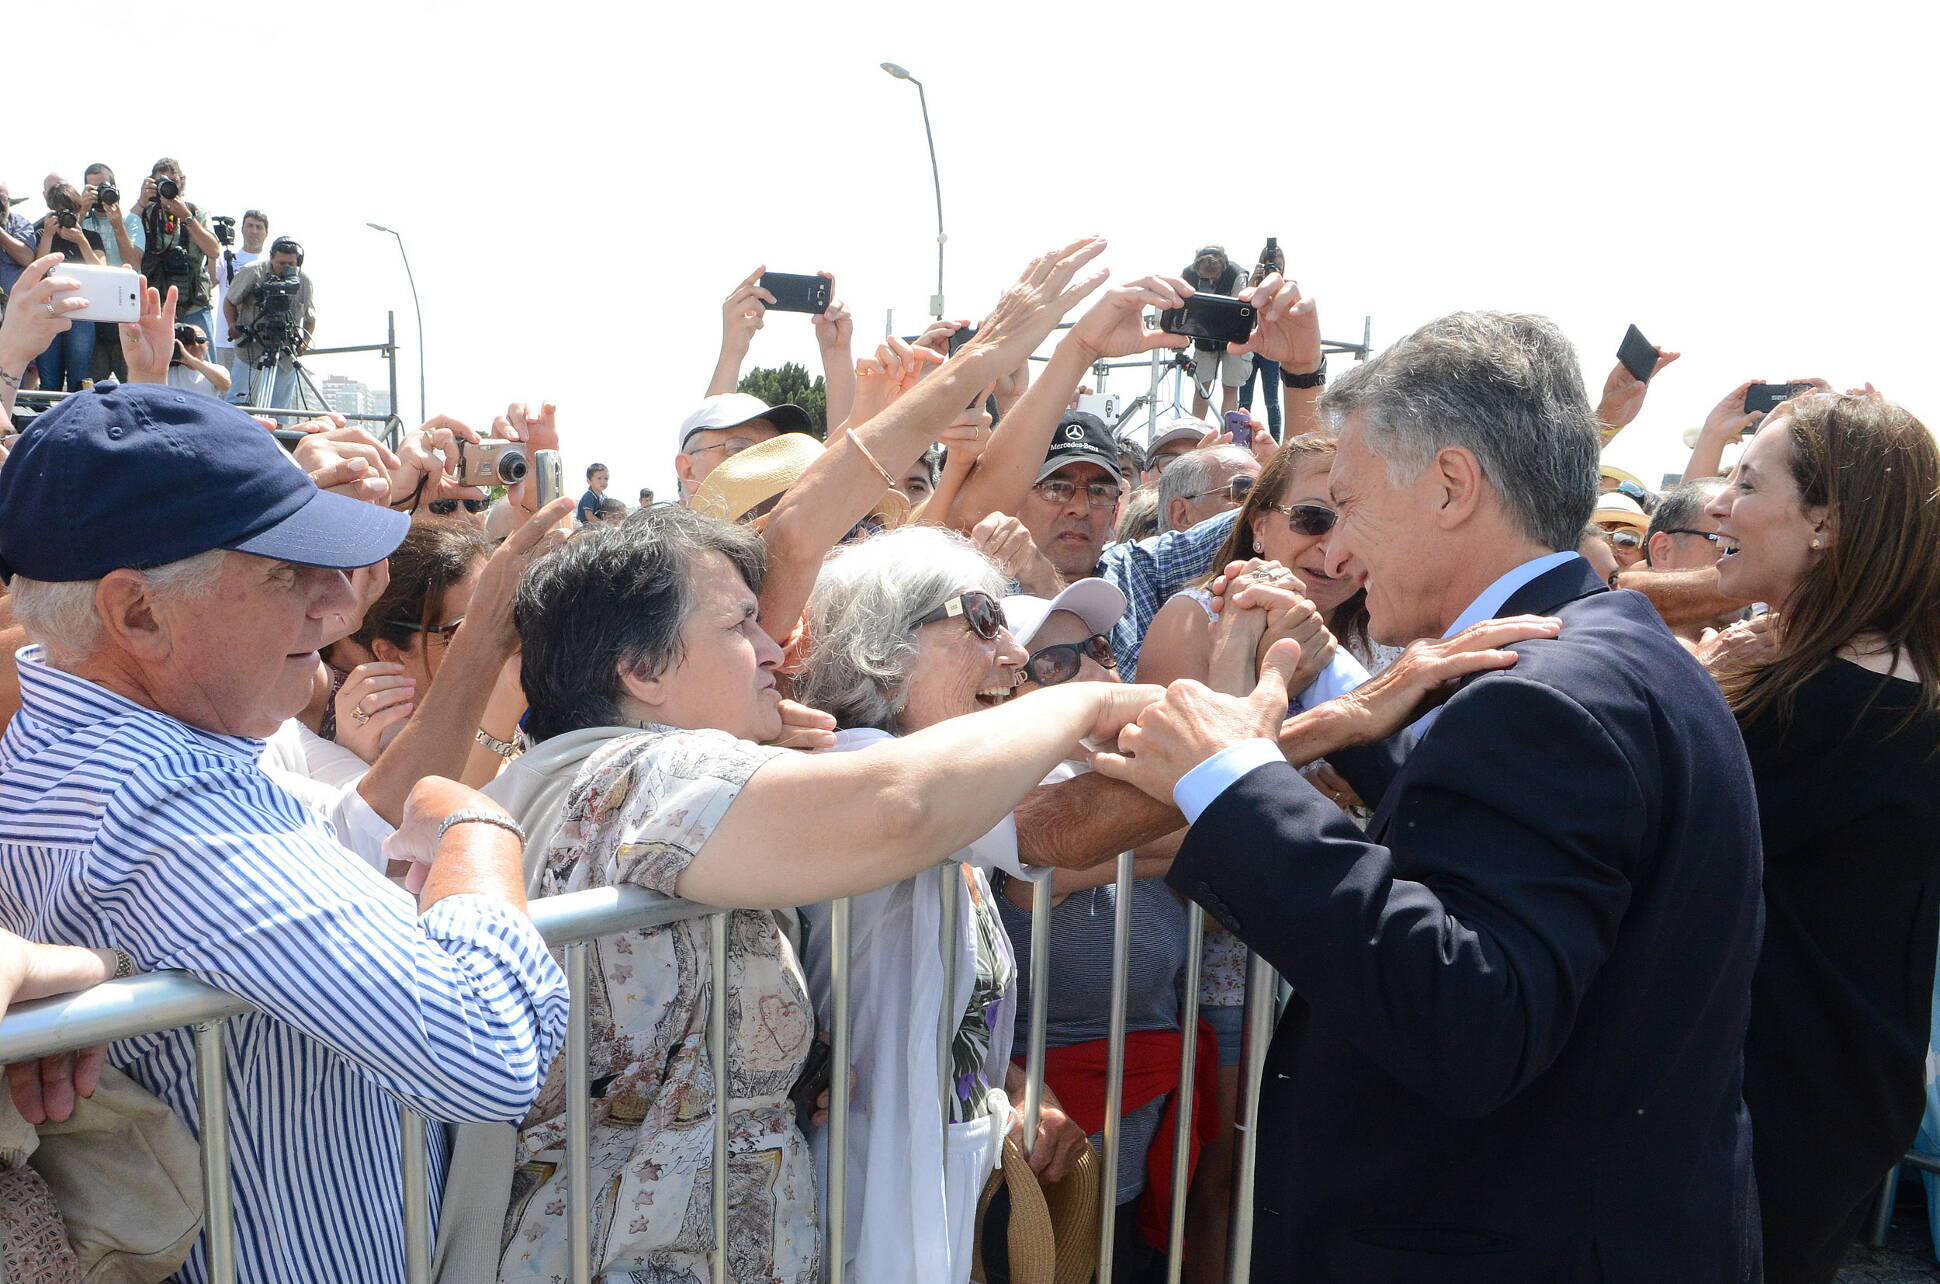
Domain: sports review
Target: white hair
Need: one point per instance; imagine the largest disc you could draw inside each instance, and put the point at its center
(60, 616)
(861, 618)
(1193, 471)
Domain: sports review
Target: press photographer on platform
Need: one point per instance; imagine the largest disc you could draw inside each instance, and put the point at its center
(271, 313)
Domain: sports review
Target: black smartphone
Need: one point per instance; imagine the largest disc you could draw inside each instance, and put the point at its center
(817, 1072)
(1763, 398)
(961, 337)
(1637, 355)
(1211, 316)
(796, 293)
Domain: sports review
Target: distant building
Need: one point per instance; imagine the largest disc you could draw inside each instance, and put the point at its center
(347, 396)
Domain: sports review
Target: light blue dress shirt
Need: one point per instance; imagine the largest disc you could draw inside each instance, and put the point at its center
(1198, 788)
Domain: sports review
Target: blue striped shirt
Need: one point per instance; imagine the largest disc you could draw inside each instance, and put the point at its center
(1151, 571)
(120, 826)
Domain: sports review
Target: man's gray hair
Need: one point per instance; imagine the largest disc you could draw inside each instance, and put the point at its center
(1683, 504)
(861, 619)
(1507, 388)
(60, 616)
(1192, 473)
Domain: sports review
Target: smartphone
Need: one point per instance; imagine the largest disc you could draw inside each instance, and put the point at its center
(1637, 355)
(1211, 316)
(551, 475)
(113, 294)
(960, 338)
(1763, 398)
(1240, 424)
(794, 293)
(491, 463)
(818, 1071)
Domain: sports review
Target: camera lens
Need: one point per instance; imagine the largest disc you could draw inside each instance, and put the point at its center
(512, 466)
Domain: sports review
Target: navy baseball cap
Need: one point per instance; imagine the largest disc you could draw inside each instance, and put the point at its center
(141, 475)
(1082, 438)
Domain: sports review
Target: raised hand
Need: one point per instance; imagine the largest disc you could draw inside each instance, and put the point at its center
(1193, 722)
(1747, 644)
(744, 310)
(1114, 326)
(347, 460)
(1289, 326)
(37, 312)
(1005, 540)
(373, 705)
(1623, 392)
(834, 328)
(1027, 312)
(1728, 418)
(538, 428)
(148, 343)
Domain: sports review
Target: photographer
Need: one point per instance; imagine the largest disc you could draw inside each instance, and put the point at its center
(16, 243)
(271, 313)
(255, 238)
(121, 237)
(1267, 373)
(177, 242)
(69, 359)
(1211, 272)
(191, 368)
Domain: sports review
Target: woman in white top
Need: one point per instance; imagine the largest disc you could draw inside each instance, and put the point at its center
(906, 633)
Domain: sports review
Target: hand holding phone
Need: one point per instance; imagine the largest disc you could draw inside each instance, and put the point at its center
(796, 293)
(1763, 398)
(1240, 425)
(113, 294)
(551, 473)
(1638, 354)
(1218, 317)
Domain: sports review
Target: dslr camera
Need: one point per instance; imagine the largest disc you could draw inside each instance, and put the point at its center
(106, 194)
(187, 336)
(167, 188)
(67, 217)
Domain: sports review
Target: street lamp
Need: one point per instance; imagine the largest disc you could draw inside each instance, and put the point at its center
(936, 300)
(416, 307)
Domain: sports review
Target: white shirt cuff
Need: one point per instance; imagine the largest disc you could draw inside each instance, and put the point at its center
(1198, 788)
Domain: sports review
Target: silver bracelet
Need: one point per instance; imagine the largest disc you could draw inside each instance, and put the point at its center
(503, 748)
(482, 816)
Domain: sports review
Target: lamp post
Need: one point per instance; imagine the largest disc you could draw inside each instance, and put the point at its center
(936, 300)
(415, 307)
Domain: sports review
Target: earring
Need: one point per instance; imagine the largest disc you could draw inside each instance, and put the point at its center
(1815, 543)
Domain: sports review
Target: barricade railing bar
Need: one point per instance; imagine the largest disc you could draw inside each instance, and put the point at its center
(570, 923)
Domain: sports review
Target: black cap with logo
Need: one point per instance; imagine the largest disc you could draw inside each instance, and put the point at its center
(1082, 438)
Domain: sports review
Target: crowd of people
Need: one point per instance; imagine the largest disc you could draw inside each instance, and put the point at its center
(245, 313)
(1593, 829)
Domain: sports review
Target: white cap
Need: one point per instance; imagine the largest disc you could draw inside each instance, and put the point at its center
(1618, 509)
(1099, 603)
(732, 409)
(1182, 428)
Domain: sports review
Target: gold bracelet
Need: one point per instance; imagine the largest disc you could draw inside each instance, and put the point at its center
(856, 441)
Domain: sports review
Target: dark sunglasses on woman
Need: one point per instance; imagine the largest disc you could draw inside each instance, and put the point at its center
(1307, 519)
(1060, 662)
(978, 609)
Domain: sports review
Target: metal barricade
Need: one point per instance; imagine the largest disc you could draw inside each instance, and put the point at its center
(161, 1001)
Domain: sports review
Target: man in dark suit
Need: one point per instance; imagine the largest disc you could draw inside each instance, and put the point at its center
(1515, 1047)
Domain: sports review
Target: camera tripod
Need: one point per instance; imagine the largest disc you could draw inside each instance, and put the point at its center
(277, 350)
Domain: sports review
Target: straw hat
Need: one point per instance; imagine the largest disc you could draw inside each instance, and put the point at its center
(1053, 1231)
(742, 483)
(1617, 509)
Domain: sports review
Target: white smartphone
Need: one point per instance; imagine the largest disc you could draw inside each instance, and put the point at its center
(552, 475)
(113, 294)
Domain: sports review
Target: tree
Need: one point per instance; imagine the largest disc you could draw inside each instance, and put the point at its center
(790, 383)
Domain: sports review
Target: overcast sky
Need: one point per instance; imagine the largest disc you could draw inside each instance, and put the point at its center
(580, 185)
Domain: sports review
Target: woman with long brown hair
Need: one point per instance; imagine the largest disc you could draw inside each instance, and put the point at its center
(1833, 517)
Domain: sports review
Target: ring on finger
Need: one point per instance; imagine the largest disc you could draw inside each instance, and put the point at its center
(357, 712)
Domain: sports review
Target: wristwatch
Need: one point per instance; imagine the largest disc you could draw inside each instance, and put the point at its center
(1312, 379)
(503, 748)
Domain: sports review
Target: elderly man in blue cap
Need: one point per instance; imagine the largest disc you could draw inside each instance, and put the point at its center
(175, 603)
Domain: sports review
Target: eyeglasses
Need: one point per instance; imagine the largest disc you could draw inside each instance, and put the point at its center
(1097, 494)
(1709, 537)
(446, 507)
(978, 609)
(1234, 491)
(1307, 519)
(733, 446)
(1623, 538)
(1060, 663)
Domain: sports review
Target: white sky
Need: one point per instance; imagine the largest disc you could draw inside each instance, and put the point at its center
(581, 184)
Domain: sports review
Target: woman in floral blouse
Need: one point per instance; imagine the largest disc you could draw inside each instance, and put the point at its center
(657, 764)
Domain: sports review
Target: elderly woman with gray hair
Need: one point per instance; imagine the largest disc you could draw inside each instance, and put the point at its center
(907, 639)
(656, 719)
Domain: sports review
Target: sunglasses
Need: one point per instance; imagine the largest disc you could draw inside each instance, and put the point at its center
(1234, 491)
(1060, 663)
(1634, 491)
(1307, 519)
(978, 609)
(446, 507)
(1624, 539)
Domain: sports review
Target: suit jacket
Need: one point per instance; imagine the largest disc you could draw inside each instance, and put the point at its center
(1515, 1047)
